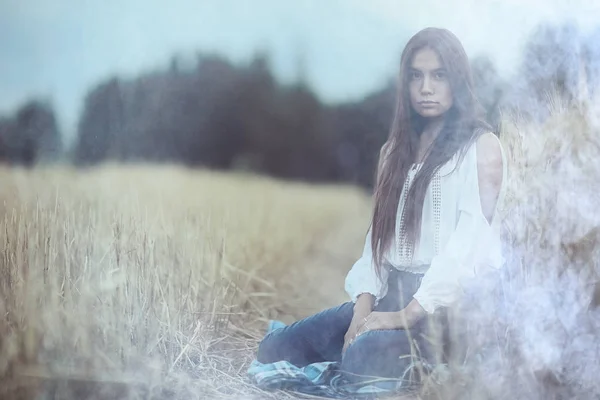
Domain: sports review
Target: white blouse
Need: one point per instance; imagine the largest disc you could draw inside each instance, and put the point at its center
(456, 240)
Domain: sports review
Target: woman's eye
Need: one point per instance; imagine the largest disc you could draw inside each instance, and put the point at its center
(415, 75)
(440, 75)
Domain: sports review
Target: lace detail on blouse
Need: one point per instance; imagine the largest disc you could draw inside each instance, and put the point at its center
(405, 250)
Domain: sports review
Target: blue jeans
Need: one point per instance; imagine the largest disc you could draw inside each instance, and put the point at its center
(377, 353)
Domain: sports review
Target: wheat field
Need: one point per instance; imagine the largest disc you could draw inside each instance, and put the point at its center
(159, 277)
(146, 281)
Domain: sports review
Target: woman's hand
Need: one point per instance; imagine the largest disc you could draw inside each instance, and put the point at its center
(352, 333)
(362, 308)
(403, 319)
(383, 320)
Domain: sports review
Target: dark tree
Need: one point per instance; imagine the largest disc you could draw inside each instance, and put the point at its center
(100, 124)
(362, 128)
(31, 135)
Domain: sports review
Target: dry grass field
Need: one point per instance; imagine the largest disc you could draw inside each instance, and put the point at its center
(159, 276)
(157, 282)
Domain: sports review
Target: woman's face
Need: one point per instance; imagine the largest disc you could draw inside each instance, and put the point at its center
(430, 93)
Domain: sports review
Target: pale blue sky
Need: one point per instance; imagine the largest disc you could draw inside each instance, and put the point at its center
(58, 49)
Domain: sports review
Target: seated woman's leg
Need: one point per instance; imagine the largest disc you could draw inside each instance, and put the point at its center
(383, 354)
(317, 338)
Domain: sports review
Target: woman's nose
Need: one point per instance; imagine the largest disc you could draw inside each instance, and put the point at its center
(427, 87)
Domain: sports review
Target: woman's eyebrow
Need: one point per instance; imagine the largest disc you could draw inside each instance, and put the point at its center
(413, 69)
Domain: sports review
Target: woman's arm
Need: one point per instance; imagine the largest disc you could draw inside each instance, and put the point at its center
(361, 279)
(490, 173)
(362, 284)
(468, 245)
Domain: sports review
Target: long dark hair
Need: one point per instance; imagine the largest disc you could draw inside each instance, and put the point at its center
(462, 126)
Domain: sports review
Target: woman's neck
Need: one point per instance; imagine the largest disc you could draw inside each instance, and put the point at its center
(430, 132)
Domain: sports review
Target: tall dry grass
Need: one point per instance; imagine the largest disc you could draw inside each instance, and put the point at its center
(532, 331)
(156, 281)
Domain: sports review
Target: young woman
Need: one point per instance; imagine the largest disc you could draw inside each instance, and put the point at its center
(440, 176)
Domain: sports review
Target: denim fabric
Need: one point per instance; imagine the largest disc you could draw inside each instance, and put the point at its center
(378, 353)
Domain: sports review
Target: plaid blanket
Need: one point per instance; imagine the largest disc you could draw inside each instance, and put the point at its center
(322, 379)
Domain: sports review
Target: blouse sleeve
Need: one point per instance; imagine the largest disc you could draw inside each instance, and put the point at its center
(362, 277)
(472, 246)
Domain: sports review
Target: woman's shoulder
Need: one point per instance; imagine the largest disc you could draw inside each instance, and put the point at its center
(485, 150)
(483, 157)
(490, 167)
(488, 147)
(489, 156)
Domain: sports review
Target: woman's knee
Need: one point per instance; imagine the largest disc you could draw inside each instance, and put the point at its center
(360, 354)
(308, 339)
(269, 348)
(376, 354)
(286, 345)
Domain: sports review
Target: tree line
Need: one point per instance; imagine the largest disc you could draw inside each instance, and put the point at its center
(215, 114)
